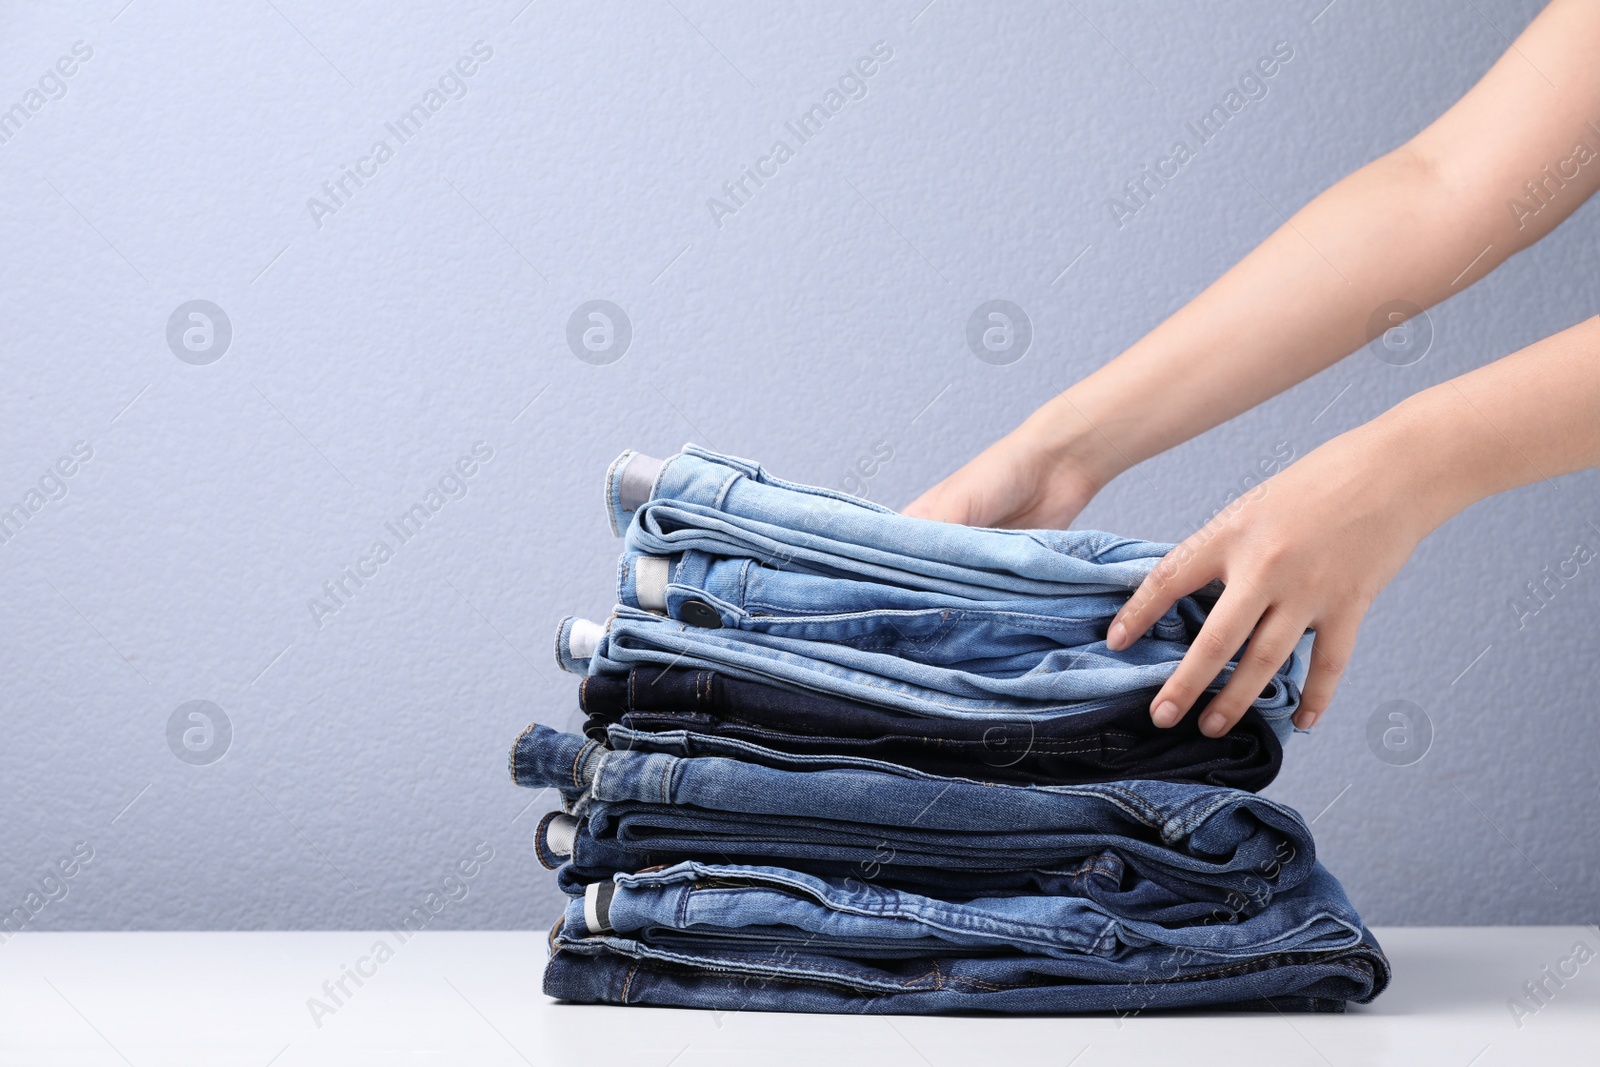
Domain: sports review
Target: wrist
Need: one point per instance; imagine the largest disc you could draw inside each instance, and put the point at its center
(1427, 453)
(1062, 434)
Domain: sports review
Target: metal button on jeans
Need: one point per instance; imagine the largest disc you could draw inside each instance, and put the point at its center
(699, 613)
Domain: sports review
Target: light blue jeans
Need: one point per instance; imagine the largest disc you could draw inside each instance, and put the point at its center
(749, 596)
(843, 656)
(731, 507)
(798, 586)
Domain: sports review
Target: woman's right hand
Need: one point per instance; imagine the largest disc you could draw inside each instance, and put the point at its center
(1025, 480)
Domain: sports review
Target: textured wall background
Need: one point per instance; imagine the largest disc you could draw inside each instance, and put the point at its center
(423, 313)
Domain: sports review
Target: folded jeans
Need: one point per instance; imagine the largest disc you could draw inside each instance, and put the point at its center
(1112, 741)
(1181, 848)
(1057, 683)
(725, 506)
(610, 969)
(771, 907)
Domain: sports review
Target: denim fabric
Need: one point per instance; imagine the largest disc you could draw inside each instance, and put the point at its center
(1181, 847)
(844, 760)
(579, 857)
(609, 969)
(769, 908)
(827, 659)
(774, 581)
(754, 596)
(1104, 743)
(732, 507)
(992, 637)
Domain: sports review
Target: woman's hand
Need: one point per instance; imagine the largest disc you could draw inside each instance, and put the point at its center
(1037, 476)
(1310, 548)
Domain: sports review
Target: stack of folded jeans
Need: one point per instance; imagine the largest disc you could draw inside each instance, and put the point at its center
(838, 759)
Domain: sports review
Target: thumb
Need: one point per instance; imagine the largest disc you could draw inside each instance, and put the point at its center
(939, 504)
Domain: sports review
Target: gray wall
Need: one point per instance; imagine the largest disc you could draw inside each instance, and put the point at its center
(376, 341)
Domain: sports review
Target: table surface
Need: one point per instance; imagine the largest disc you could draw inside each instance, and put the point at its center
(473, 997)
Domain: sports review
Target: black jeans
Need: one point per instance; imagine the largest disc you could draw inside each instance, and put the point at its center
(1104, 744)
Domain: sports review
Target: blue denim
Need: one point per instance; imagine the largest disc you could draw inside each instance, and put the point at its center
(971, 635)
(768, 908)
(756, 854)
(581, 858)
(1098, 875)
(1178, 848)
(810, 588)
(731, 507)
(1104, 744)
(752, 593)
(829, 657)
(610, 969)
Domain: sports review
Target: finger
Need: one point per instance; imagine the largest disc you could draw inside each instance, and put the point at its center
(1268, 649)
(940, 504)
(1330, 654)
(927, 505)
(1225, 630)
(1177, 574)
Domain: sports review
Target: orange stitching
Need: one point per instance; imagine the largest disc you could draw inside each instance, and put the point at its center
(573, 773)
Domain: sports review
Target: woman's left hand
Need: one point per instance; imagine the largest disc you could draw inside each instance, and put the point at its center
(1310, 548)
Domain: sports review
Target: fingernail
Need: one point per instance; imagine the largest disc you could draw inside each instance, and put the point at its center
(1213, 724)
(1310, 720)
(1115, 636)
(1166, 713)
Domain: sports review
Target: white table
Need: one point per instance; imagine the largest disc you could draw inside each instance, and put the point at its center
(473, 998)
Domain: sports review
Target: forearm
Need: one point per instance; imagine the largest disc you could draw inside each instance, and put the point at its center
(1501, 168)
(1531, 416)
(1296, 304)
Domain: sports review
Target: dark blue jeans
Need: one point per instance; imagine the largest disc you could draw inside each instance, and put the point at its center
(749, 908)
(1179, 849)
(1107, 744)
(620, 970)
